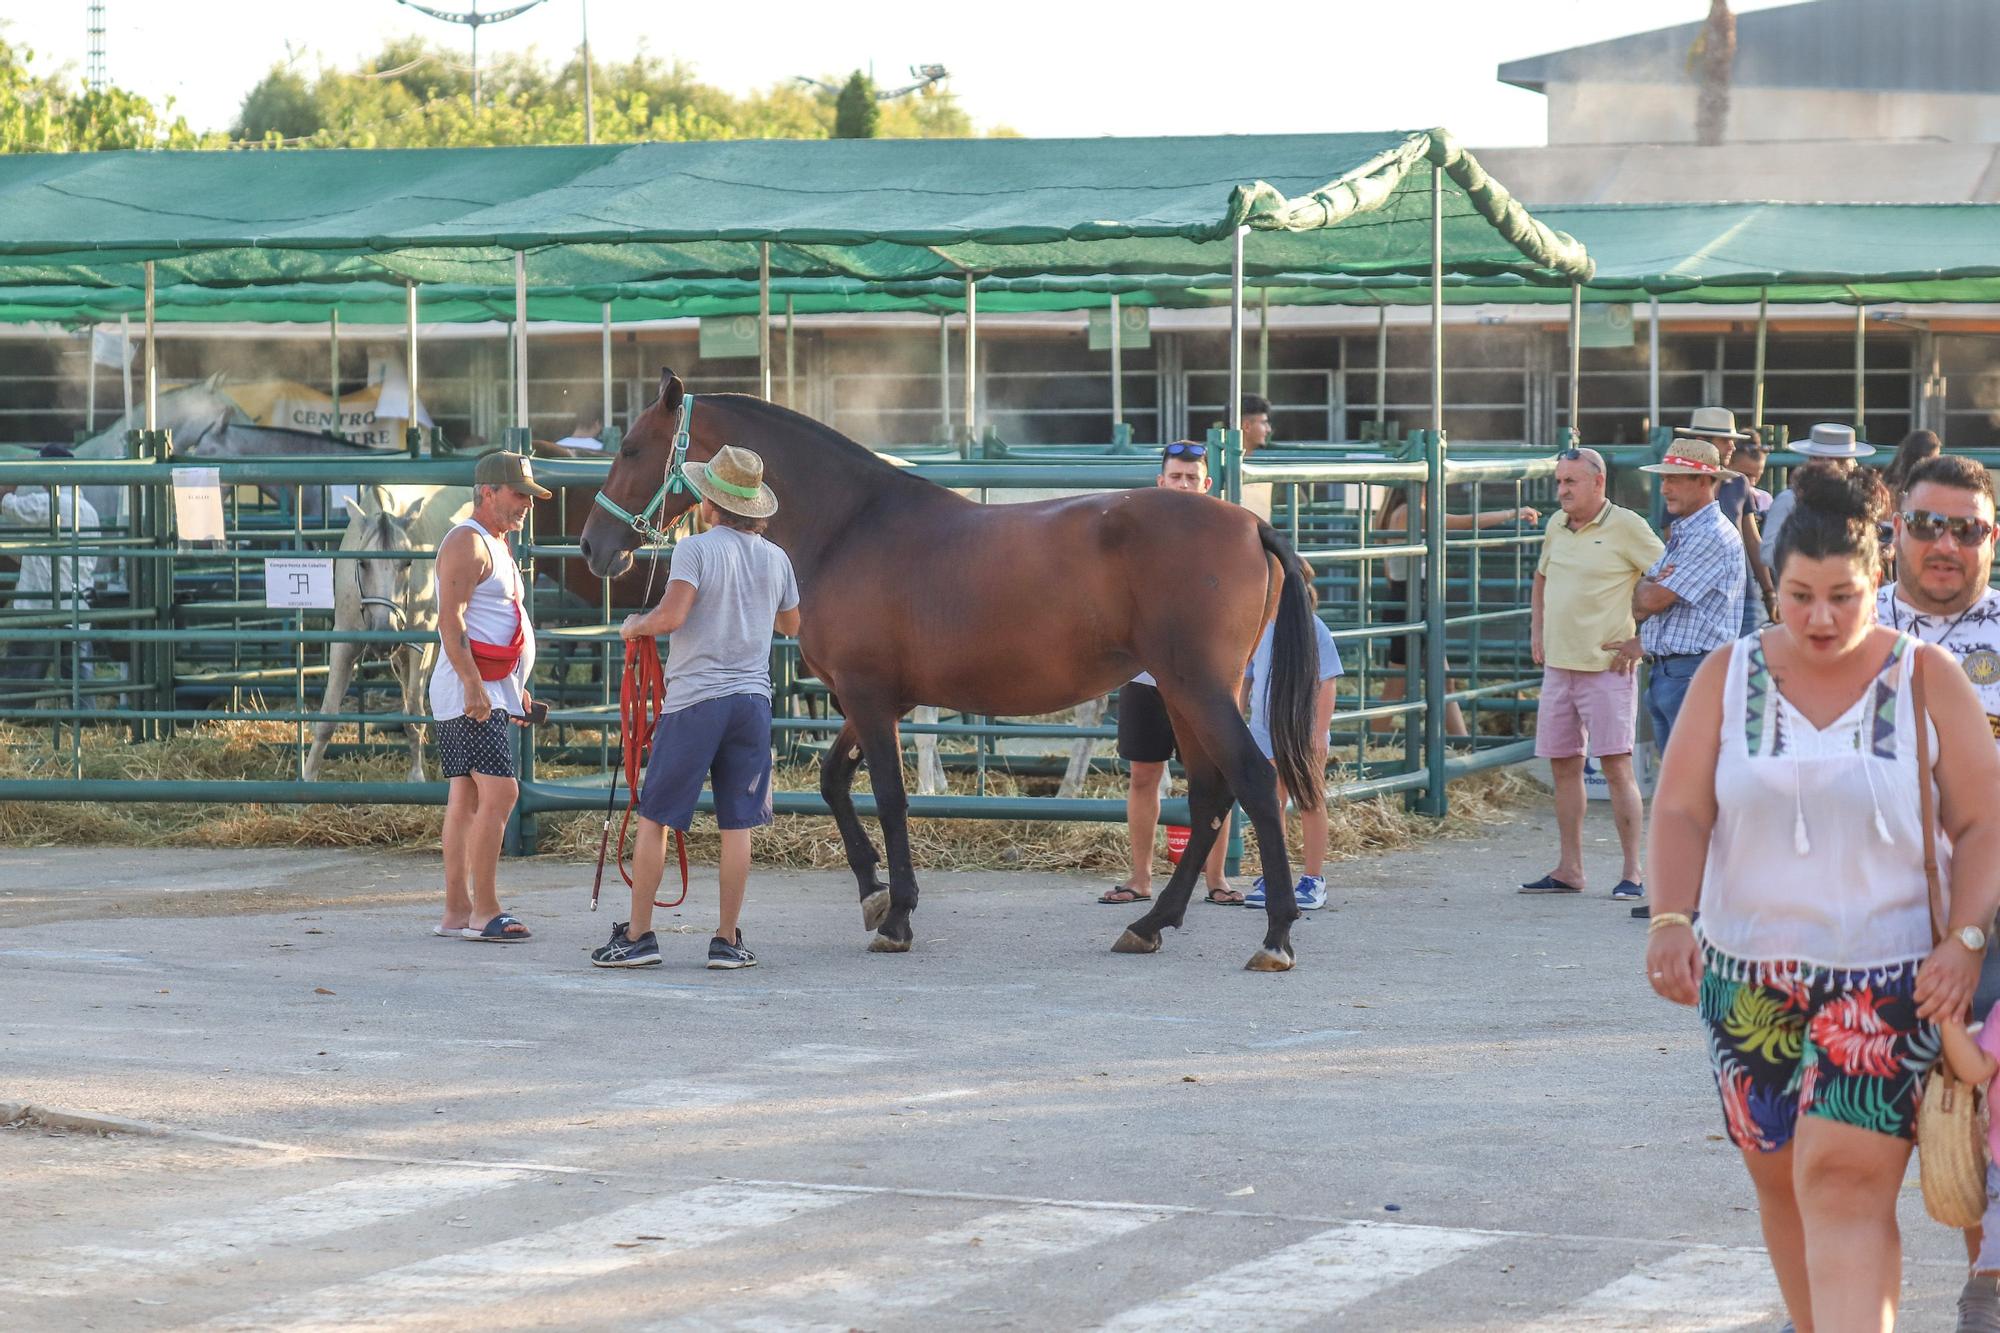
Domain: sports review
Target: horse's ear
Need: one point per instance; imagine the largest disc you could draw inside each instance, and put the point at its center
(214, 382)
(671, 390)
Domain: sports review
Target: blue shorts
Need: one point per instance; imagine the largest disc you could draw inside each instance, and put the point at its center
(726, 742)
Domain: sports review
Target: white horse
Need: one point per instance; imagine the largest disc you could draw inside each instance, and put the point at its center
(393, 591)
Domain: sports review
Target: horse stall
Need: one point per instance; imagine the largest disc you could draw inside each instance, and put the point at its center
(1431, 211)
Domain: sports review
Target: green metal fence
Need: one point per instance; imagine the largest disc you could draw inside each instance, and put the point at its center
(176, 636)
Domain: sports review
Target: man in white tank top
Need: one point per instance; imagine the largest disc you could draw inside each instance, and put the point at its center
(479, 693)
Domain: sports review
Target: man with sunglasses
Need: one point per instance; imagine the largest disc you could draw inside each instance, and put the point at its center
(1944, 561)
(1146, 733)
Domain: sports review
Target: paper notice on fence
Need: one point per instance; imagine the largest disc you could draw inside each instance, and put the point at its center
(198, 504)
(299, 584)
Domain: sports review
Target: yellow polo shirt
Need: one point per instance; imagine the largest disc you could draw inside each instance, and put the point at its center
(1590, 573)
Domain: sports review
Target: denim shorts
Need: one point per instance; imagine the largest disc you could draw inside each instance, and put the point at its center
(725, 742)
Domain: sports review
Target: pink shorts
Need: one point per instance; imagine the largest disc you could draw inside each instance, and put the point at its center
(1586, 711)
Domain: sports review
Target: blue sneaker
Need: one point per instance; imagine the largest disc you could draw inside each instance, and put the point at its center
(1311, 892)
(1255, 898)
(624, 951)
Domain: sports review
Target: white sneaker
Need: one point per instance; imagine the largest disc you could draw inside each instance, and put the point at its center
(1311, 892)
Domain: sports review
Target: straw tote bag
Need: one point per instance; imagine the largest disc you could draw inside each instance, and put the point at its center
(1951, 1120)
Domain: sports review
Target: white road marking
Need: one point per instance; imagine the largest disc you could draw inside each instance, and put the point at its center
(197, 1242)
(945, 1263)
(448, 1288)
(1692, 1292)
(1303, 1282)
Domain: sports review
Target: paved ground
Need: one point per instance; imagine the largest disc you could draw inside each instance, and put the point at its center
(1463, 1111)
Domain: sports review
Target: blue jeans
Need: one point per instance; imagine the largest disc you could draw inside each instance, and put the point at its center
(1666, 687)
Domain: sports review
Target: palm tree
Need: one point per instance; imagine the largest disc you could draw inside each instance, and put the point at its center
(1711, 61)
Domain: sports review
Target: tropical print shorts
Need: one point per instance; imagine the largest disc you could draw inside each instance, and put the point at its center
(1787, 1039)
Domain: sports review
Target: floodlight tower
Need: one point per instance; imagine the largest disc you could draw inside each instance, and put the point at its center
(93, 72)
(474, 20)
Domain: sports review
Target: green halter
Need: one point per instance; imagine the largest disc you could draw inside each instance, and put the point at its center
(674, 483)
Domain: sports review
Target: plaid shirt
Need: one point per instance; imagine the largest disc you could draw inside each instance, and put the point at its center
(1707, 559)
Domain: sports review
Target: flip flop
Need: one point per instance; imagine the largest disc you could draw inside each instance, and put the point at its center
(496, 932)
(1549, 884)
(449, 932)
(1122, 895)
(1223, 898)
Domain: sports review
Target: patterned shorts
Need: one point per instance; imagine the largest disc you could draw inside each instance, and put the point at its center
(466, 747)
(1786, 1039)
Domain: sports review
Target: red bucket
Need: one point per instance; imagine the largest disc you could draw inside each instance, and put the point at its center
(1177, 841)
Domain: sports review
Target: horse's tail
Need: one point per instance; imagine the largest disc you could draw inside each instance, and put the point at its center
(1294, 678)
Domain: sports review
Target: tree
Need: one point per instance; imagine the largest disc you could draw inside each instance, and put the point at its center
(416, 94)
(49, 114)
(282, 105)
(856, 114)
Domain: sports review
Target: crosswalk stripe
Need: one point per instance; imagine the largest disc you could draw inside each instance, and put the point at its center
(447, 1286)
(1303, 1282)
(1691, 1292)
(196, 1241)
(947, 1262)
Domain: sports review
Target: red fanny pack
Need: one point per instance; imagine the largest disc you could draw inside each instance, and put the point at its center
(496, 661)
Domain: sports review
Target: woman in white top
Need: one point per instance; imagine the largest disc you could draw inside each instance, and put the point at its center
(1789, 811)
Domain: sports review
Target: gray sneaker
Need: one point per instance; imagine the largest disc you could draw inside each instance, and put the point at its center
(1979, 1304)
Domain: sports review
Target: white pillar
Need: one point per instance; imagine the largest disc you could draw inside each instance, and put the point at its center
(521, 342)
(152, 359)
(1117, 363)
(764, 321)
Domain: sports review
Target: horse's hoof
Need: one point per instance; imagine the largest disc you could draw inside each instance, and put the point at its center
(875, 909)
(1268, 960)
(1132, 942)
(884, 944)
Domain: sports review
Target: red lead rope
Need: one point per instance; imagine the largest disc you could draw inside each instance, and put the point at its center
(641, 698)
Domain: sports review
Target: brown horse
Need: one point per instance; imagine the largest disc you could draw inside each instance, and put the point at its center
(915, 595)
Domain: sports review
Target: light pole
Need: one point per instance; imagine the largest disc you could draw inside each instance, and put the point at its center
(474, 20)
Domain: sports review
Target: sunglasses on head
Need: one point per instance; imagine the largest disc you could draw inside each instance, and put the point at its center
(1187, 451)
(1927, 526)
(1576, 455)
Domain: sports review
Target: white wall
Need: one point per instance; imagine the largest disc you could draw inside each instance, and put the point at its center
(1602, 112)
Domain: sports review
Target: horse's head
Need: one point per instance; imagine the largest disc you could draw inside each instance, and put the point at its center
(638, 487)
(384, 579)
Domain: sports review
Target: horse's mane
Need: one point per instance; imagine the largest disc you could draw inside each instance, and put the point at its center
(823, 435)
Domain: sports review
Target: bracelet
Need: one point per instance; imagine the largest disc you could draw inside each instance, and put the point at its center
(1668, 919)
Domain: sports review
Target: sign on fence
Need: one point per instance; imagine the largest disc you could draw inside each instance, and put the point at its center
(1135, 328)
(726, 337)
(198, 505)
(299, 584)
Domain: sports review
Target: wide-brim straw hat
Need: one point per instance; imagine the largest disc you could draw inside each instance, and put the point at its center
(1711, 423)
(1830, 440)
(733, 480)
(1694, 457)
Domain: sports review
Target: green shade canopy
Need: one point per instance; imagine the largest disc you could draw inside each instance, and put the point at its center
(870, 209)
(1701, 253)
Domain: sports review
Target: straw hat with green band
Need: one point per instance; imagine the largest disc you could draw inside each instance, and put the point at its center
(733, 480)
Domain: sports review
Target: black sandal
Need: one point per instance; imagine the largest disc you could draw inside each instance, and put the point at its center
(1123, 895)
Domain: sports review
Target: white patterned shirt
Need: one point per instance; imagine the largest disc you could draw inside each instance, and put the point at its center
(1972, 636)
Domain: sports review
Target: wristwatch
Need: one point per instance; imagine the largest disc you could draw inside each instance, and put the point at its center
(1972, 937)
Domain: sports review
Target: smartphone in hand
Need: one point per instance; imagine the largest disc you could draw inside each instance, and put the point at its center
(538, 712)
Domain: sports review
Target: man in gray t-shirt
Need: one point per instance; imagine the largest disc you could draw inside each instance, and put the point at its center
(728, 589)
(741, 582)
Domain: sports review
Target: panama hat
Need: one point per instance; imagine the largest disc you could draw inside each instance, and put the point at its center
(1833, 441)
(733, 480)
(1691, 458)
(1711, 423)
